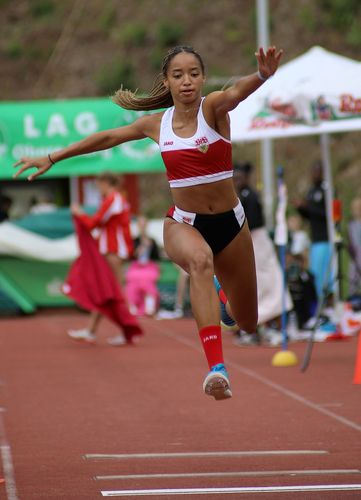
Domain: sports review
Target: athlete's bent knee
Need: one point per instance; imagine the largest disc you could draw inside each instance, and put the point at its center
(201, 262)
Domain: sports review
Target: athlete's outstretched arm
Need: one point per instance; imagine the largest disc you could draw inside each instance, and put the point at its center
(95, 142)
(224, 101)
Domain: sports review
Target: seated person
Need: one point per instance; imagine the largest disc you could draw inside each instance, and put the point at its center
(143, 274)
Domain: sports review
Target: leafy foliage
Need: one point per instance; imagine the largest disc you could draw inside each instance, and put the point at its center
(113, 76)
(134, 34)
(169, 33)
(107, 18)
(156, 58)
(232, 31)
(42, 8)
(14, 49)
(341, 13)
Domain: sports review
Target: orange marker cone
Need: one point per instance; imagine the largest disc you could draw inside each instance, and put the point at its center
(357, 375)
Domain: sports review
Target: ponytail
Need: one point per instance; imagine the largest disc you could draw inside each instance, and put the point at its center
(159, 96)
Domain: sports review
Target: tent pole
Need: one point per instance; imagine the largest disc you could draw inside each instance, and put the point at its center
(267, 181)
(266, 144)
(74, 189)
(327, 175)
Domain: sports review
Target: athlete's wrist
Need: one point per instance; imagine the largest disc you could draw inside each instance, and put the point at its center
(52, 161)
(263, 78)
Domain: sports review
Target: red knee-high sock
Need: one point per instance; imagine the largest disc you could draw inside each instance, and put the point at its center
(211, 337)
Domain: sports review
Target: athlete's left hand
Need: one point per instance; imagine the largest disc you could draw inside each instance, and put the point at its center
(268, 62)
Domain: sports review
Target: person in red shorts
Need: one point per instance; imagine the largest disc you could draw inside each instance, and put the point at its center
(205, 232)
(112, 230)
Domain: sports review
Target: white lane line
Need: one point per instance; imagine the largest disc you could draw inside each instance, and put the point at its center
(257, 453)
(7, 463)
(261, 473)
(297, 397)
(274, 385)
(230, 491)
(329, 405)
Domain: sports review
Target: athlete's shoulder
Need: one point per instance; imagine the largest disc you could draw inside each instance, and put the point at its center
(151, 118)
(219, 122)
(149, 123)
(212, 97)
(211, 102)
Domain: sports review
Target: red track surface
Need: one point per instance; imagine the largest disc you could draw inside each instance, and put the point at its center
(64, 400)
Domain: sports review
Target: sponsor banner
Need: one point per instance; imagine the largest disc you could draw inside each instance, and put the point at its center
(36, 128)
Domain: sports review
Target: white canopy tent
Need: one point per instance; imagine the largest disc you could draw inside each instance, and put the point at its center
(317, 93)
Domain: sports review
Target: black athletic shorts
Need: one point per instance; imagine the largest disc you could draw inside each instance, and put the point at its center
(217, 229)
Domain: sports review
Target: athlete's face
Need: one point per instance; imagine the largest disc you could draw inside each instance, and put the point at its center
(185, 78)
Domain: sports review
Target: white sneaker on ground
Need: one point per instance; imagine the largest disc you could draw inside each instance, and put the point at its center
(117, 341)
(83, 335)
(271, 337)
(164, 314)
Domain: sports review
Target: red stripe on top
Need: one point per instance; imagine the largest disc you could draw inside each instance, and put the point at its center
(184, 163)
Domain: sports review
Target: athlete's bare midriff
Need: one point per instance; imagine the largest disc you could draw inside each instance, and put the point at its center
(213, 198)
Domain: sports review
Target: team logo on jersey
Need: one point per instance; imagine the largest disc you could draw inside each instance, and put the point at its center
(187, 220)
(202, 144)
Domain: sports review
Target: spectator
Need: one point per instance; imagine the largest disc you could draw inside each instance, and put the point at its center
(145, 241)
(313, 208)
(249, 197)
(354, 246)
(5, 205)
(300, 242)
(269, 274)
(115, 243)
(301, 285)
(143, 274)
(179, 306)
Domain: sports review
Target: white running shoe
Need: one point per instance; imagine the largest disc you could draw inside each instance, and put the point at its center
(271, 337)
(229, 328)
(217, 384)
(117, 341)
(164, 314)
(83, 335)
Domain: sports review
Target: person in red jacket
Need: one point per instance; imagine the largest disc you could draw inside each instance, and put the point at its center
(112, 230)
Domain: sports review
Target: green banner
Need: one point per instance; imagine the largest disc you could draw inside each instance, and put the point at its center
(33, 284)
(36, 128)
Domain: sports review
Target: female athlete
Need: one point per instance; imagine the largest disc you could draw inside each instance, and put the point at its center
(112, 221)
(205, 232)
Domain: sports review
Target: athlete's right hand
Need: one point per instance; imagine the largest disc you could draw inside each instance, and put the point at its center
(42, 165)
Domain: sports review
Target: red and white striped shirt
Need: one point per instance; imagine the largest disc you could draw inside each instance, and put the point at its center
(201, 159)
(113, 221)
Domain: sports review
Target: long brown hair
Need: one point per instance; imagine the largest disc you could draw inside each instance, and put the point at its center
(159, 96)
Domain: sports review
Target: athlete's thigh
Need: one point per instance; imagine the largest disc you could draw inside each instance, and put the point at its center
(236, 271)
(183, 243)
